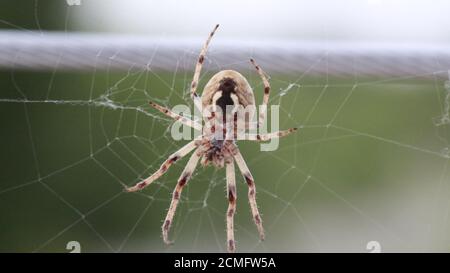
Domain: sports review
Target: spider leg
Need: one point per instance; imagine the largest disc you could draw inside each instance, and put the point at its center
(262, 115)
(269, 136)
(169, 162)
(182, 181)
(198, 68)
(175, 116)
(231, 191)
(251, 191)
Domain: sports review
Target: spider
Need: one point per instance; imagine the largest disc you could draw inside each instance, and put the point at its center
(226, 88)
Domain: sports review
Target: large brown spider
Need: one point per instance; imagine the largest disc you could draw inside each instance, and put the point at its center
(226, 88)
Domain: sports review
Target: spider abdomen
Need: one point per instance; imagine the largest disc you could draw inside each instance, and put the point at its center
(228, 81)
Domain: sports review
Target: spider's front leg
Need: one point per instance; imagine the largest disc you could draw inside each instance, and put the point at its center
(262, 115)
(198, 69)
(182, 181)
(231, 192)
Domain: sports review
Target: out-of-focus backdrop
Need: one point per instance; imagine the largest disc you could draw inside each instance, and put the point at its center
(365, 81)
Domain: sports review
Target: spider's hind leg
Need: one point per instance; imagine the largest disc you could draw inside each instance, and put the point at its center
(182, 181)
(231, 193)
(165, 166)
(251, 191)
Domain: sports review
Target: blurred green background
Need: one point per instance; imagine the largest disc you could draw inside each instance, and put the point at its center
(378, 173)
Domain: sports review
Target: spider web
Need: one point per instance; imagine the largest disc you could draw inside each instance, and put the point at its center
(370, 162)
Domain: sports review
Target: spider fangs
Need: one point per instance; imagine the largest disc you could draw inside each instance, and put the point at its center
(225, 89)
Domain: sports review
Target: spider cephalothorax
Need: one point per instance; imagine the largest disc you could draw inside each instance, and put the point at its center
(218, 152)
(224, 94)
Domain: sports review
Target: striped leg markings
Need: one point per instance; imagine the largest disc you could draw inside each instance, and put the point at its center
(251, 192)
(232, 196)
(175, 116)
(165, 166)
(269, 136)
(182, 181)
(262, 115)
(198, 68)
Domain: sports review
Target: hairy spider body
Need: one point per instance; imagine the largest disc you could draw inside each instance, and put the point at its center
(223, 96)
(226, 89)
(217, 153)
